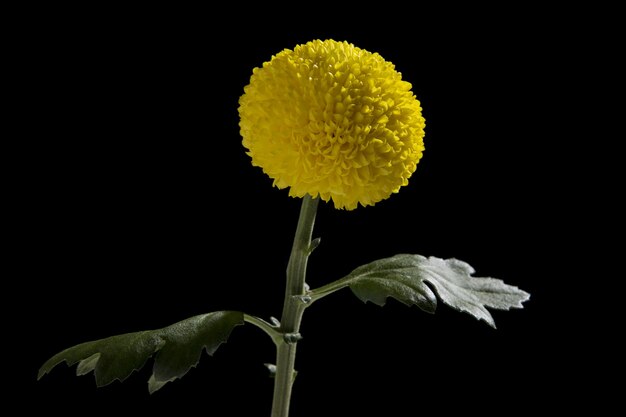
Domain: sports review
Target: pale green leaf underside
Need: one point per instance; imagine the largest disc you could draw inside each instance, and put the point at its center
(411, 279)
(178, 348)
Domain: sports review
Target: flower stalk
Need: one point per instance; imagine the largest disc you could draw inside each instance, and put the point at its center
(293, 308)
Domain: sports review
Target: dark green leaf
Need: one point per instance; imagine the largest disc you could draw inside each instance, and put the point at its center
(178, 348)
(411, 279)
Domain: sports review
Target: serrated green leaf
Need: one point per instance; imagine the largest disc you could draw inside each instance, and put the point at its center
(178, 348)
(87, 365)
(409, 278)
(154, 385)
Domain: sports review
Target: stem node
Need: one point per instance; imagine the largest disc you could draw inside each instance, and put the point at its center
(292, 338)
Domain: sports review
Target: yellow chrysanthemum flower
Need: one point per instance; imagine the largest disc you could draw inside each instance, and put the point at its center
(333, 120)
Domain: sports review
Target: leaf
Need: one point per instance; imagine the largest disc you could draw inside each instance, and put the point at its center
(411, 280)
(178, 348)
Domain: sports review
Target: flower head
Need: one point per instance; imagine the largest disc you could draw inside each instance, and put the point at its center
(332, 120)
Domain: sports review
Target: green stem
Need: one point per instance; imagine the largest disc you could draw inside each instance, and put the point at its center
(270, 330)
(293, 308)
(328, 289)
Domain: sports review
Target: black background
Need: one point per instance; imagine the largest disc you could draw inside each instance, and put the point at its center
(143, 209)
